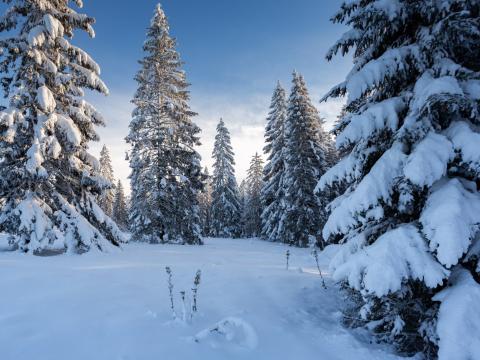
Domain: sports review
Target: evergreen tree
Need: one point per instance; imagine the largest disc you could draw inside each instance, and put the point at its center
(325, 196)
(119, 208)
(106, 198)
(48, 180)
(205, 201)
(225, 203)
(408, 219)
(327, 144)
(253, 203)
(166, 175)
(305, 162)
(242, 199)
(273, 195)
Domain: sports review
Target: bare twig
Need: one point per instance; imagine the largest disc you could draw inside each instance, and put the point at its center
(196, 283)
(315, 255)
(170, 290)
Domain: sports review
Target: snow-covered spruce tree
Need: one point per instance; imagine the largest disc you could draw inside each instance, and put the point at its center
(273, 187)
(205, 203)
(119, 207)
(305, 163)
(225, 210)
(410, 215)
(325, 196)
(106, 198)
(253, 204)
(48, 180)
(328, 145)
(166, 174)
(242, 200)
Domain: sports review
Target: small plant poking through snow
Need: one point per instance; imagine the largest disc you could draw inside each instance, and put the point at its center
(196, 283)
(315, 256)
(170, 290)
(187, 311)
(287, 254)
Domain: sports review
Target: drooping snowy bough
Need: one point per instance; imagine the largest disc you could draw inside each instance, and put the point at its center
(48, 180)
(410, 215)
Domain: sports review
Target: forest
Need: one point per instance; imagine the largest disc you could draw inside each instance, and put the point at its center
(353, 237)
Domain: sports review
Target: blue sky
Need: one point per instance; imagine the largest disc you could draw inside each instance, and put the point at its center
(234, 52)
(228, 46)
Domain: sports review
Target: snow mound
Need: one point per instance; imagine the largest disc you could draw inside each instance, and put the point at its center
(231, 330)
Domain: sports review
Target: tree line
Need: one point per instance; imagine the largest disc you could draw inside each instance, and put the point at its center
(277, 202)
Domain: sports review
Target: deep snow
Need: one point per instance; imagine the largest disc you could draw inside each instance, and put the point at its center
(116, 306)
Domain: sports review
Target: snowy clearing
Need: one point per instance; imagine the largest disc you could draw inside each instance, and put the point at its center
(116, 306)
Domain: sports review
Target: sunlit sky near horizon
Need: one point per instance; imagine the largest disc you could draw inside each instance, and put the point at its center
(234, 53)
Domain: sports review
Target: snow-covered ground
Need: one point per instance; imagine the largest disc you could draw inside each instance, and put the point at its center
(116, 306)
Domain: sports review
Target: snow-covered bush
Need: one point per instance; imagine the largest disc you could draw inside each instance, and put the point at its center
(48, 180)
(410, 213)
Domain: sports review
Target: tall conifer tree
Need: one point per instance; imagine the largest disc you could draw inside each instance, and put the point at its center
(166, 174)
(305, 163)
(253, 203)
(106, 198)
(119, 207)
(273, 192)
(48, 180)
(410, 213)
(205, 202)
(225, 202)
(242, 199)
